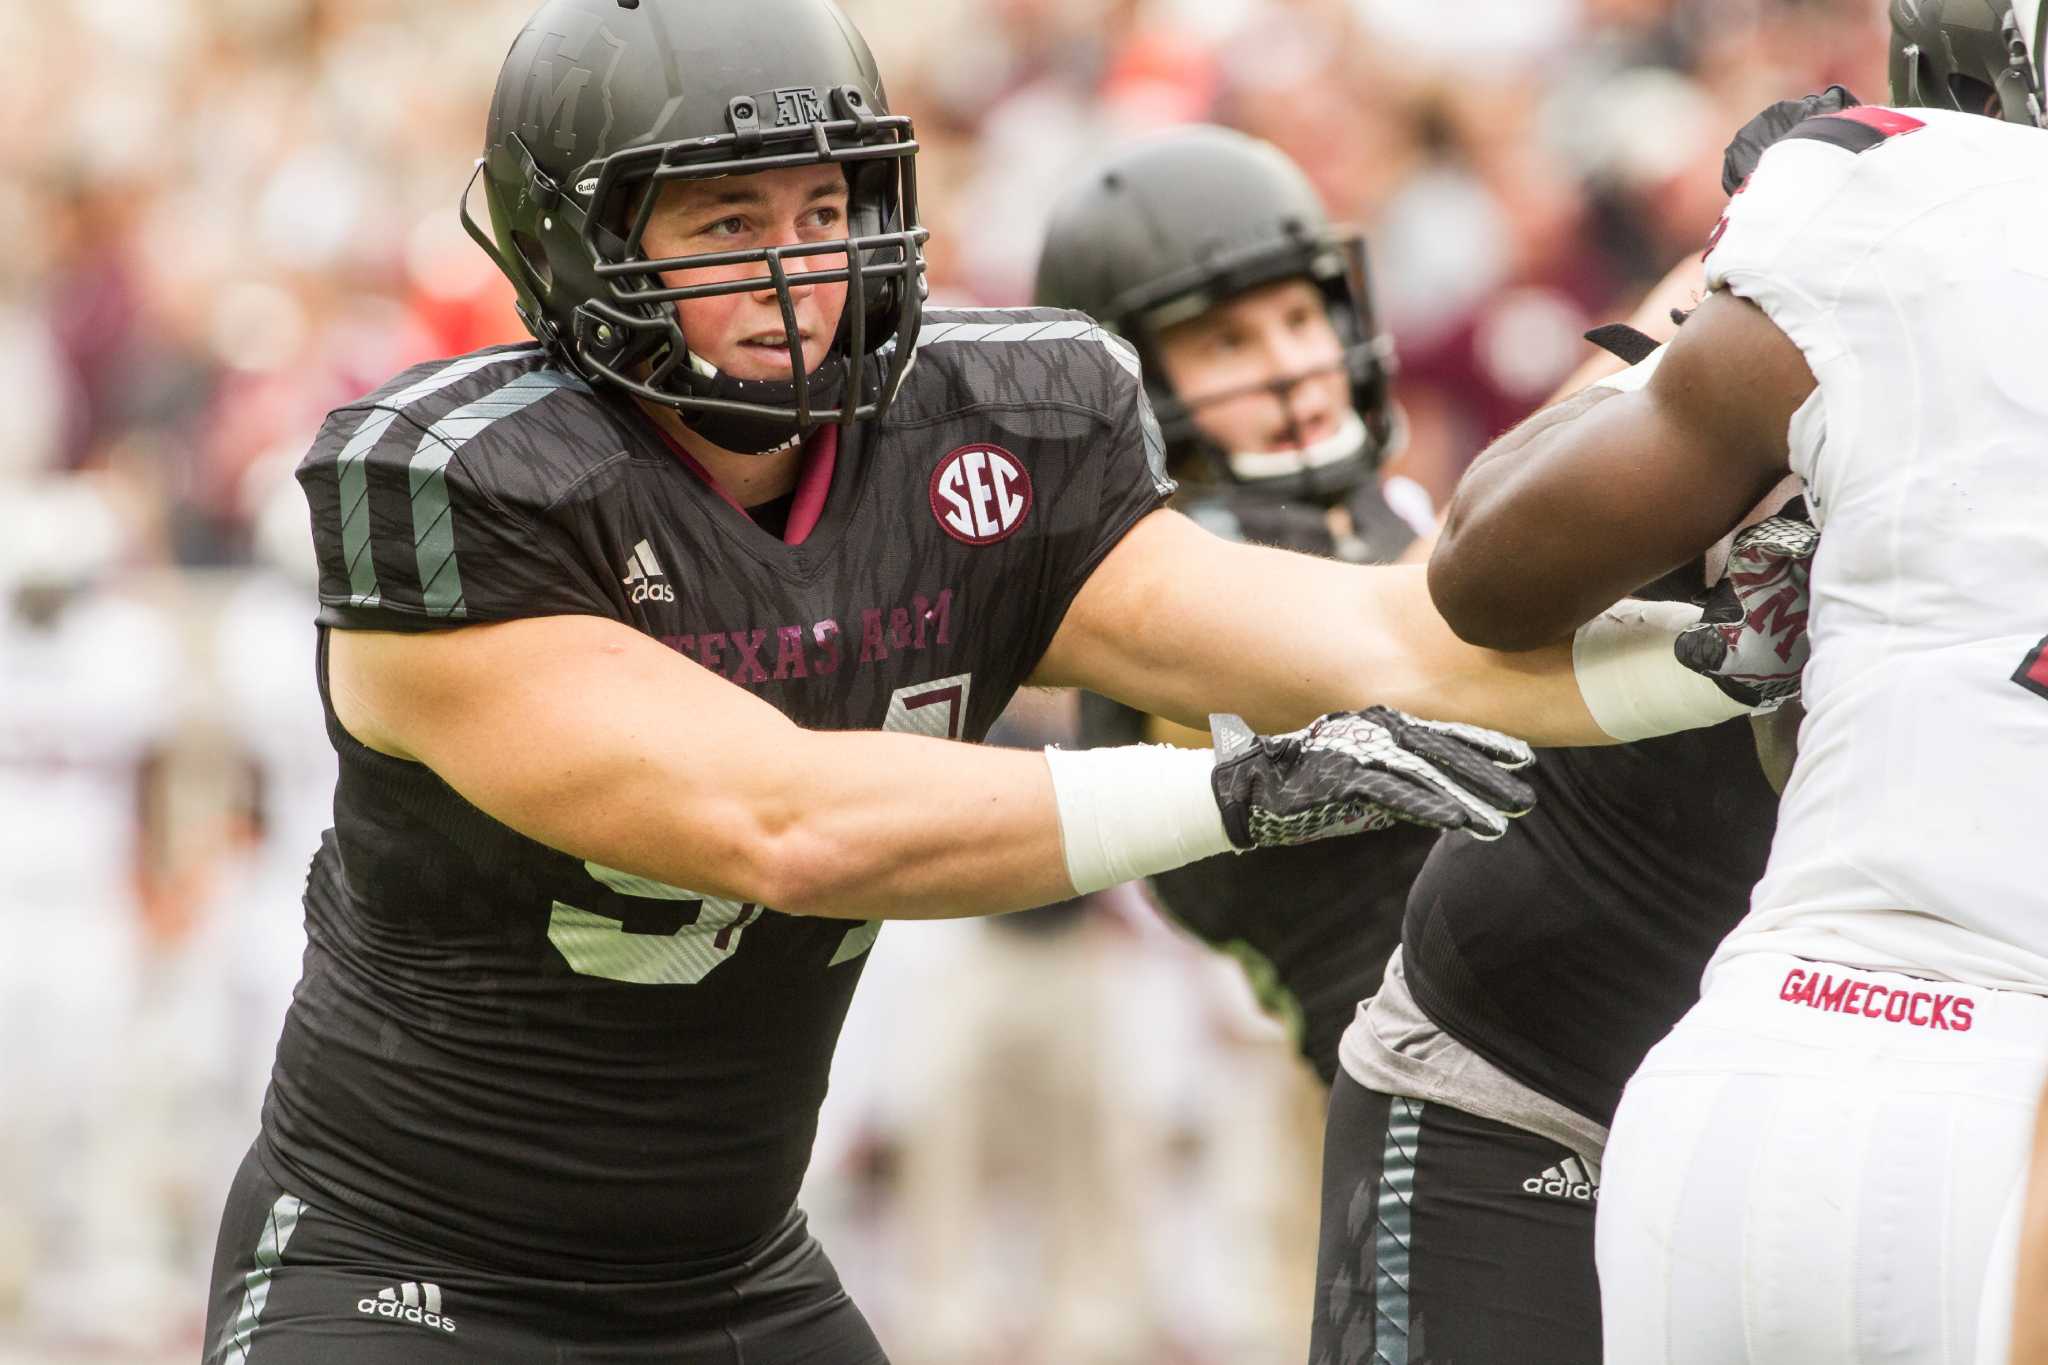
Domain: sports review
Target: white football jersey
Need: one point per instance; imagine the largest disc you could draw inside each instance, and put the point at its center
(1906, 254)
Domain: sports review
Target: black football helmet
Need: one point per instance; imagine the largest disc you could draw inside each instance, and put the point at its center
(1978, 56)
(1187, 219)
(600, 103)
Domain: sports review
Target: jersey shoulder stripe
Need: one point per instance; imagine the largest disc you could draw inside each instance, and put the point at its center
(408, 485)
(368, 421)
(1858, 129)
(1018, 358)
(998, 325)
(433, 515)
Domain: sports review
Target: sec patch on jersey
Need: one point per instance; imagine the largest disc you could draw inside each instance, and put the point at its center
(980, 494)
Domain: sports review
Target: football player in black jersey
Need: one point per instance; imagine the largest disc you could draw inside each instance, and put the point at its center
(1209, 251)
(614, 631)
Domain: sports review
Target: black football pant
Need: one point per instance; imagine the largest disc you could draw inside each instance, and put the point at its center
(299, 1284)
(1450, 1240)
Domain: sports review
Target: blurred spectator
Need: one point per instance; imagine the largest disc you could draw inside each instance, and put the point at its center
(241, 211)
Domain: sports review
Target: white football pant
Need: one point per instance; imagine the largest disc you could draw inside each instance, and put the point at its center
(1822, 1166)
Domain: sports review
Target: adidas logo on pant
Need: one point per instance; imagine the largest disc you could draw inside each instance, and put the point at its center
(409, 1302)
(1569, 1180)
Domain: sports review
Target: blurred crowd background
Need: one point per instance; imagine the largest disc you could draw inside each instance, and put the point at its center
(1064, 1139)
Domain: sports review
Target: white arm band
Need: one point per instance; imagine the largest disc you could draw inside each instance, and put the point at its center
(1635, 376)
(1633, 683)
(1135, 810)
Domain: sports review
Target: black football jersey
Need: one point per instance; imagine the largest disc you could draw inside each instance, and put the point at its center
(517, 1057)
(1563, 952)
(1314, 925)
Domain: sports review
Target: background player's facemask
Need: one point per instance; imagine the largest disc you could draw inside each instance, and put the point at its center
(1973, 56)
(1322, 471)
(1185, 220)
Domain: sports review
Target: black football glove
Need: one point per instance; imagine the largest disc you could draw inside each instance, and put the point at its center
(1356, 771)
(1752, 638)
(1738, 163)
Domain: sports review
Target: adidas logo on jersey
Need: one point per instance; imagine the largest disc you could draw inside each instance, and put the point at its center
(409, 1302)
(643, 576)
(1570, 1180)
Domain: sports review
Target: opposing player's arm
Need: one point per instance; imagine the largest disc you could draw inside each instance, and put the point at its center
(587, 736)
(1596, 495)
(1180, 623)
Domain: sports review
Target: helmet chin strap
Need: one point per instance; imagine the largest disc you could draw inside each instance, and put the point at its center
(745, 434)
(1257, 466)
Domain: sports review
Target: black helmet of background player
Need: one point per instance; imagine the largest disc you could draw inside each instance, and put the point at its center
(601, 103)
(1188, 219)
(1978, 56)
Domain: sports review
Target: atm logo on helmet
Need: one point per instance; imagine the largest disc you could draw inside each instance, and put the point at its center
(798, 104)
(981, 494)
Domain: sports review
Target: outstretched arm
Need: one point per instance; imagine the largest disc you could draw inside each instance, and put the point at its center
(585, 735)
(1180, 623)
(1600, 494)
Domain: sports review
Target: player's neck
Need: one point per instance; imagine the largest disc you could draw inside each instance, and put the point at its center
(748, 480)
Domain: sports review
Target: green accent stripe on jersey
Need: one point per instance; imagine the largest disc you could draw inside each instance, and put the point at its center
(352, 469)
(1395, 1231)
(352, 473)
(277, 1232)
(433, 518)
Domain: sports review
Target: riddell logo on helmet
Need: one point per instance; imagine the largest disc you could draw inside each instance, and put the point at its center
(980, 494)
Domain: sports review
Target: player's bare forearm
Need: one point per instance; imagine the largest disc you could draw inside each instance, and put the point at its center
(1679, 290)
(1180, 623)
(1493, 466)
(904, 827)
(1583, 504)
(631, 756)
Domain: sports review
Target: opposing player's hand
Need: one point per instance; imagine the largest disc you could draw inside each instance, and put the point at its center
(1739, 161)
(1365, 770)
(1752, 638)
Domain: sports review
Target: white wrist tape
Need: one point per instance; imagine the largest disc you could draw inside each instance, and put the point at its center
(1631, 680)
(1135, 810)
(1635, 376)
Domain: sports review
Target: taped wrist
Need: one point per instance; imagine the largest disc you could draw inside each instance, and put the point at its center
(1630, 678)
(1135, 810)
